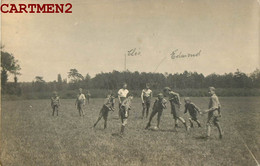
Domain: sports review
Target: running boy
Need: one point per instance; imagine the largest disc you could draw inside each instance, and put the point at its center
(146, 97)
(124, 111)
(158, 106)
(193, 111)
(80, 102)
(107, 106)
(55, 103)
(122, 93)
(213, 113)
(175, 102)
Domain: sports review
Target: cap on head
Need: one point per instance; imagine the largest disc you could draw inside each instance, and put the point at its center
(166, 89)
(187, 99)
(160, 95)
(212, 88)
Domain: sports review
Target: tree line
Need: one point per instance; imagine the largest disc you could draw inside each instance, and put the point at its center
(114, 80)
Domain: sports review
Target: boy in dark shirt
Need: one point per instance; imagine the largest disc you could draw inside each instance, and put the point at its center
(193, 111)
(158, 106)
(107, 106)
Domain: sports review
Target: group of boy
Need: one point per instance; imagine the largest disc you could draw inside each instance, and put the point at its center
(125, 98)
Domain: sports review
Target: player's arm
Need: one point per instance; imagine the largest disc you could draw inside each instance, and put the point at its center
(142, 96)
(196, 108)
(119, 94)
(164, 104)
(186, 109)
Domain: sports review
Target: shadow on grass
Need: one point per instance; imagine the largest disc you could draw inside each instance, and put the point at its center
(202, 137)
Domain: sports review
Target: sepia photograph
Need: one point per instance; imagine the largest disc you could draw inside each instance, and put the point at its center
(130, 82)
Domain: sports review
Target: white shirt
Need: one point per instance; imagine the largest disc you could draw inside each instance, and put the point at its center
(146, 92)
(122, 92)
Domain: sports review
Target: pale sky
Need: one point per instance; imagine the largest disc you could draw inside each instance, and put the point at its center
(97, 35)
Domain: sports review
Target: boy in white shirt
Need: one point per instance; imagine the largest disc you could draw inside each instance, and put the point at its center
(80, 102)
(146, 97)
(122, 93)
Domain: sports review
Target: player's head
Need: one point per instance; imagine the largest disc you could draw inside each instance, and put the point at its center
(130, 96)
(160, 96)
(80, 90)
(55, 93)
(147, 86)
(166, 90)
(124, 85)
(212, 90)
(187, 100)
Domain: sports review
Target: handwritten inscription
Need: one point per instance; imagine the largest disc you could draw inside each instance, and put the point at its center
(178, 54)
(134, 52)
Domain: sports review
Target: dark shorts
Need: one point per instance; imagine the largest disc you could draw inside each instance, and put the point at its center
(213, 117)
(79, 106)
(193, 115)
(146, 104)
(56, 107)
(175, 110)
(104, 111)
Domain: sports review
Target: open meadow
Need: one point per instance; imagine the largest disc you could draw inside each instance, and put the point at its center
(31, 136)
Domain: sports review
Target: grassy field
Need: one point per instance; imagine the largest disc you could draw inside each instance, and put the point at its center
(32, 136)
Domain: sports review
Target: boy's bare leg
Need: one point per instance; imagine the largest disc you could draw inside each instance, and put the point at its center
(191, 124)
(183, 121)
(105, 122)
(198, 122)
(100, 116)
(208, 130)
(143, 110)
(147, 111)
(150, 119)
(219, 129)
(53, 110)
(159, 118)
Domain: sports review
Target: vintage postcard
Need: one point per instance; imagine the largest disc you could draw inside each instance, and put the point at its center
(130, 82)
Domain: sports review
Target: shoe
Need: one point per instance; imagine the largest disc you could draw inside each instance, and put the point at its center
(148, 125)
(199, 125)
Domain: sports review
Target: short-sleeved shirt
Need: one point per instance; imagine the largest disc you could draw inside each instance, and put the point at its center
(214, 103)
(146, 95)
(109, 101)
(122, 93)
(159, 104)
(81, 98)
(55, 101)
(174, 97)
(192, 108)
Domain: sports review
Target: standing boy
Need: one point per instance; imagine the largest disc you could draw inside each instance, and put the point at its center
(146, 97)
(122, 93)
(80, 102)
(88, 95)
(175, 102)
(107, 106)
(193, 111)
(158, 106)
(213, 113)
(55, 103)
(124, 111)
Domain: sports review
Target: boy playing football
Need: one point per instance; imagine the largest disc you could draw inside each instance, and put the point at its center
(107, 106)
(193, 111)
(175, 102)
(158, 106)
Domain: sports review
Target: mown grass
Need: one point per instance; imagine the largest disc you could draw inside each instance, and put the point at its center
(31, 136)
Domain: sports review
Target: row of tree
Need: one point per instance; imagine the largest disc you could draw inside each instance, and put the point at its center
(113, 80)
